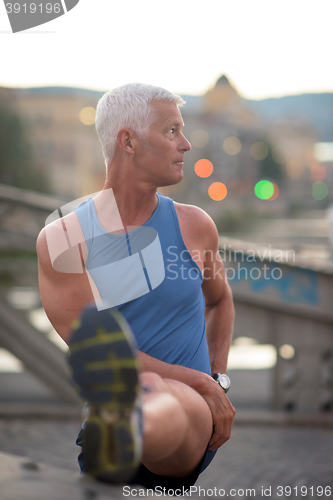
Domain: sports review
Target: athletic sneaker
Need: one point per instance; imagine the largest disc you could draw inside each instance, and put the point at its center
(105, 371)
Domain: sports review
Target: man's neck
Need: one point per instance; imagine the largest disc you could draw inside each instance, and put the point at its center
(135, 202)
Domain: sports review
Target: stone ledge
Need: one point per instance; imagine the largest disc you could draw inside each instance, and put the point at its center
(253, 417)
(40, 410)
(24, 479)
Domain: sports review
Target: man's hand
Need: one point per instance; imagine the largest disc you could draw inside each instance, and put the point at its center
(222, 411)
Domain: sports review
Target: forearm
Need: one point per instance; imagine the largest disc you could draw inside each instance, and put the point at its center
(193, 378)
(219, 328)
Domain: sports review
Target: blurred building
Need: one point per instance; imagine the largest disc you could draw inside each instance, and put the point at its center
(248, 142)
(243, 139)
(294, 141)
(223, 128)
(65, 144)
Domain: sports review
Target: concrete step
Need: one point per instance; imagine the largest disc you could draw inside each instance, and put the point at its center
(24, 479)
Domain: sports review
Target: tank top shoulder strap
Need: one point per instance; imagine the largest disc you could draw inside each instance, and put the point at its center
(86, 214)
(165, 218)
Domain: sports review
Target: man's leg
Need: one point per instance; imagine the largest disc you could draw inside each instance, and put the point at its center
(177, 427)
(177, 422)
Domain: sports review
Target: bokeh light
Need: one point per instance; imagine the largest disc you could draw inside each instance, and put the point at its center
(199, 138)
(287, 351)
(217, 191)
(318, 172)
(323, 151)
(264, 189)
(203, 168)
(259, 150)
(88, 115)
(232, 145)
(319, 190)
(275, 194)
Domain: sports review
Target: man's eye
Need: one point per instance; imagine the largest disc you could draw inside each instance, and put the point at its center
(172, 130)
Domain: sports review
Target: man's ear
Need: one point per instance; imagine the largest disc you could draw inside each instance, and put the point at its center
(125, 137)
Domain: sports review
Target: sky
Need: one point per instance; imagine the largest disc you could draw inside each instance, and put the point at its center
(267, 48)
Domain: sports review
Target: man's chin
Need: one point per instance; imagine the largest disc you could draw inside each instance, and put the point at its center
(174, 181)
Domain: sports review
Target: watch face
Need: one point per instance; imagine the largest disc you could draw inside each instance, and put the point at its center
(224, 381)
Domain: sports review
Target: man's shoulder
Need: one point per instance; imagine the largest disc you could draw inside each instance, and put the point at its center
(193, 218)
(194, 214)
(68, 223)
(56, 234)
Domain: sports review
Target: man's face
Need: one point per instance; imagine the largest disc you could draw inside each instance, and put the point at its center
(161, 158)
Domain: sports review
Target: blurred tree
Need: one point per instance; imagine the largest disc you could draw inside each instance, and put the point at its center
(17, 166)
(269, 168)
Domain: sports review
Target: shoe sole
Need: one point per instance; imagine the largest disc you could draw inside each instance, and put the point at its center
(105, 371)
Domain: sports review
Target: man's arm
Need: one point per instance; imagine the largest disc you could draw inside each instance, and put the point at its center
(219, 324)
(63, 294)
(195, 379)
(219, 310)
(219, 315)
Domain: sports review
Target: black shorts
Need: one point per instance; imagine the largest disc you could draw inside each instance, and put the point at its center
(148, 479)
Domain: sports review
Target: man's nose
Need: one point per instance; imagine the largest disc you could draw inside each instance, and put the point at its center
(185, 144)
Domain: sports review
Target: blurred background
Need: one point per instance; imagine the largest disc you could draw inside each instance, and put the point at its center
(259, 116)
(50, 155)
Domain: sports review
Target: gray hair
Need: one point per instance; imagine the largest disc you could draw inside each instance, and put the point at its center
(128, 106)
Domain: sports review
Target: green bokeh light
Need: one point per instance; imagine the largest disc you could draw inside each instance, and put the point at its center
(264, 189)
(319, 190)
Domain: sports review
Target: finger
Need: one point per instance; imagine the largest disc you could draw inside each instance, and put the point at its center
(216, 436)
(223, 430)
(212, 443)
(220, 436)
(218, 443)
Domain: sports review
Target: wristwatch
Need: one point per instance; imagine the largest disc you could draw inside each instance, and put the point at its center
(223, 380)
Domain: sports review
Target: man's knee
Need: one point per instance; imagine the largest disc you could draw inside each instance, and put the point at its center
(195, 427)
(152, 382)
(195, 407)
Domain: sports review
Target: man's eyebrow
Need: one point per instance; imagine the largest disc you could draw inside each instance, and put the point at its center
(177, 124)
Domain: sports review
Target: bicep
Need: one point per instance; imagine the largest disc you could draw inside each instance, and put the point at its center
(215, 285)
(63, 294)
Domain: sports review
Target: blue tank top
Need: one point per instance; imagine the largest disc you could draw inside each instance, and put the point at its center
(168, 321)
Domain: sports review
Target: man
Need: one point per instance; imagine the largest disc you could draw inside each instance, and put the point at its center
(186, 414)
